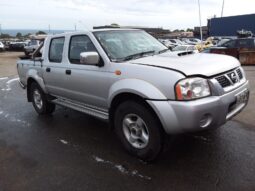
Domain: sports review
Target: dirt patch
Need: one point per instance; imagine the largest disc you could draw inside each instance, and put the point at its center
(8, 63)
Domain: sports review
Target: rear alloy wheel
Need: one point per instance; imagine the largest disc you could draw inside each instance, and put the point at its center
(139, 130)
(39, 100)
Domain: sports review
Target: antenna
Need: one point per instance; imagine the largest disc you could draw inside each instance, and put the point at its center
(223, 4)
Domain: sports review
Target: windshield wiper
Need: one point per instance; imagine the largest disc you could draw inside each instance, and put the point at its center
(138, 55)
(162, 51)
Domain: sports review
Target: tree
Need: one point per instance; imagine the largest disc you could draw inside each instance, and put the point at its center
(18, 35)
(176, 30)
(189, 30)
(40, 32)
(27, 35)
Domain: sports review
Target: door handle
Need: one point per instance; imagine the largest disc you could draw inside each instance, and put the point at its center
(47, 69)
(68, 72)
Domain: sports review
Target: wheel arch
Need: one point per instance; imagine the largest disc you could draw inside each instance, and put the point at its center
(127, 96)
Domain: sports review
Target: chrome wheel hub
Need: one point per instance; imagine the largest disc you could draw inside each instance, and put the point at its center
(38, 99)
(135, 131)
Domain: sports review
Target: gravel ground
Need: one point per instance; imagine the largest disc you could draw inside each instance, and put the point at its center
(8, 63)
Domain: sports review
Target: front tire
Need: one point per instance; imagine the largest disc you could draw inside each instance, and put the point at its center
(41, 105)
(139, 130)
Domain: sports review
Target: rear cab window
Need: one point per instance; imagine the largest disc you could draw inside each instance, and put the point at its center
(56, 49)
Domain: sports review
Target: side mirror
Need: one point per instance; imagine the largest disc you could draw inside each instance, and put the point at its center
(89, 58)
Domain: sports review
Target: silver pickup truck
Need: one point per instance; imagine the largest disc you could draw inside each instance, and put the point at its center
(134, 82)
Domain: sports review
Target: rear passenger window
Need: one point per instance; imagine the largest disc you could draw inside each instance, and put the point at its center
(79, 44)
(56, 49)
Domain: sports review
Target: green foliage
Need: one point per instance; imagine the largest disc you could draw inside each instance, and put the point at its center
(18, 35)
(177, 30)
(40, 32)
(27, 35)
(189, 30)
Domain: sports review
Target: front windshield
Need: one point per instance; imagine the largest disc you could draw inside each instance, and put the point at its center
(120, 44)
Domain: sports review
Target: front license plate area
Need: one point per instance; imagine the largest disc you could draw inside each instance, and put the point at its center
(242, 97)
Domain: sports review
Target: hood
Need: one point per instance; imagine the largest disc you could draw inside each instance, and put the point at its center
(192, 64)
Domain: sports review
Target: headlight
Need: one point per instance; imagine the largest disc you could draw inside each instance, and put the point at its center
(192, 88)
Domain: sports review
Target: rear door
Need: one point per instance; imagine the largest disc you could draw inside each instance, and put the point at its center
(54, 68)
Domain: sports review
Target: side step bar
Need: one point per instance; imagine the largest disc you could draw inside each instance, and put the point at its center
(96, 112)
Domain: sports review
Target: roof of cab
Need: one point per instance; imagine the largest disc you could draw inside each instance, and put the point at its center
(95, 30)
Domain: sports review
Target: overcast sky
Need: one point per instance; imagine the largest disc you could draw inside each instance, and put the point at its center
(64, 14)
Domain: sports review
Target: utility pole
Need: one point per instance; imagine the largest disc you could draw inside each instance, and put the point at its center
(49, 28)
(0, 29)
(201, 31)
(222, 10)
(75, 27)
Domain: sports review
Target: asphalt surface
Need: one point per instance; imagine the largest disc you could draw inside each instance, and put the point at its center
(72, 151)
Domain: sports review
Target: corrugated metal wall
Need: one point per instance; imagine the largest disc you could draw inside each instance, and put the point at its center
(228, 26)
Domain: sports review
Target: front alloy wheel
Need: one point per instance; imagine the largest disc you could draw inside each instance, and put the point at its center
(139, 130)
(135, 131)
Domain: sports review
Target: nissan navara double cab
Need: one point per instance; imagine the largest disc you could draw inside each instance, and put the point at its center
(131, 80)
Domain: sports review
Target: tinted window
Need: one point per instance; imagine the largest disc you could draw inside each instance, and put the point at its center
(56, 49)
(245, 43)
(79, 44)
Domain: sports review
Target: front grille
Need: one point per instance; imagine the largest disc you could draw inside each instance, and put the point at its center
(240, 74)
(231, 78)
(224, 82)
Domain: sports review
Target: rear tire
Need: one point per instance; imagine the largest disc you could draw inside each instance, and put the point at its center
(139, 130)
(41, 105)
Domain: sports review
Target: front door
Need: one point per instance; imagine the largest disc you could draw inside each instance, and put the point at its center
(86, 83)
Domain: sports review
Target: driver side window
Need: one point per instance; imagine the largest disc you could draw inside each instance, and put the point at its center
(79, 44)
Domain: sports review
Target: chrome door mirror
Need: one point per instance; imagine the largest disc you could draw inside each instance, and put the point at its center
(89, 58)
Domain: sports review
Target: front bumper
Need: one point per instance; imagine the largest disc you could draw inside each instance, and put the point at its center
(188, 116)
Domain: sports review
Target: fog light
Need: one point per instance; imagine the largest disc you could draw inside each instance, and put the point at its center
(205, 121)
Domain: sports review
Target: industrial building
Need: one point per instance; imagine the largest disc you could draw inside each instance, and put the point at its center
(228, 26)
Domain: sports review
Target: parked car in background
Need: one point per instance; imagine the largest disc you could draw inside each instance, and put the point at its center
(191, 41)
(168, 43)
(222, 42)
(16, 46)
(177, 42)
(31, 47)
(131, 80)
(2, 47)
(241, 48)
(186, 48)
